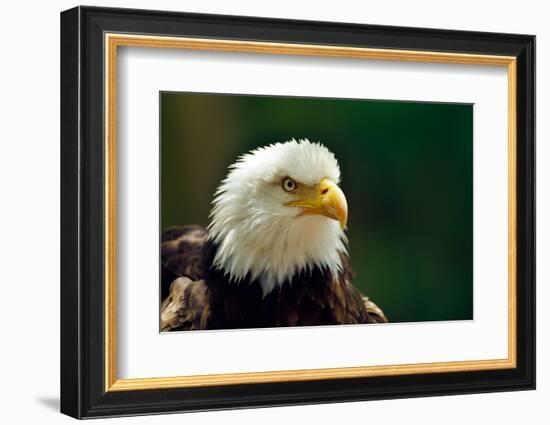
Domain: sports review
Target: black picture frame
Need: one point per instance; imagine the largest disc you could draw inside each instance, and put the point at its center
(83, 392)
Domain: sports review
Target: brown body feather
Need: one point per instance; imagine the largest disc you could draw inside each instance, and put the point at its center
(196, 296)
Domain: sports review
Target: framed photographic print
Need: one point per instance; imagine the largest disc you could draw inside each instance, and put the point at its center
(262, 212)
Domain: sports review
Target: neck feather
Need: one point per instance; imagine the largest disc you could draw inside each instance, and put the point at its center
(273, 253)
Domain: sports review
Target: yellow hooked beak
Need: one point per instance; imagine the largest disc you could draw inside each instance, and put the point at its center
(325, 198)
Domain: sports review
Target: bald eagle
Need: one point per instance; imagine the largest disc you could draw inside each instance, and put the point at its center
(274, 253)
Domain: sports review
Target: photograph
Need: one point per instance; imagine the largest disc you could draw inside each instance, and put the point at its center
(280, 211)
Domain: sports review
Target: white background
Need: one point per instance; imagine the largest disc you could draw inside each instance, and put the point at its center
(140, 346)
(29, 225)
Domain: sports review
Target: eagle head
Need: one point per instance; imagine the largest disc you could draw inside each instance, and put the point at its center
(279, 212)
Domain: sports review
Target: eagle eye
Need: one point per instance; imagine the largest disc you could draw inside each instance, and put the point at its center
(289, 185)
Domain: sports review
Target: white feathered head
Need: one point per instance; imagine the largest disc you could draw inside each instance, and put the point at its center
(279, 211)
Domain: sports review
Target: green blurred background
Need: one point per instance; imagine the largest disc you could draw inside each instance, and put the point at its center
(407, 170)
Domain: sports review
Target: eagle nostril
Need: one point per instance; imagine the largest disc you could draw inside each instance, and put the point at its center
(324, 191)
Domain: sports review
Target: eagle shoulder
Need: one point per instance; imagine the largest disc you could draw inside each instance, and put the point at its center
(182, 254)
(320, 298)
(186, 308)
(348, 304)
(376, 315)
(183, 268)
